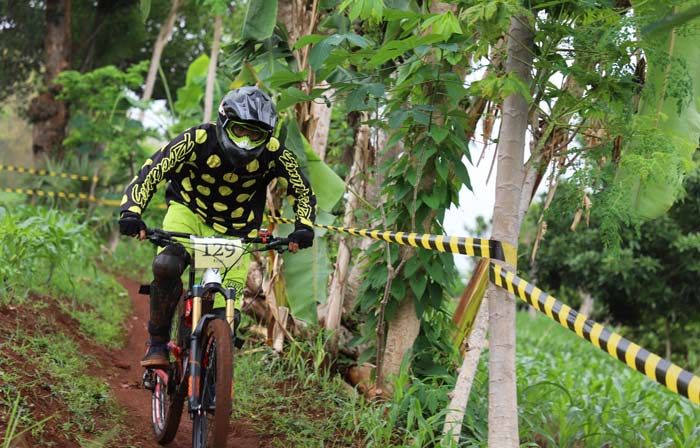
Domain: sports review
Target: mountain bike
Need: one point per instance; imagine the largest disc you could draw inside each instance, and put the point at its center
(202, 340)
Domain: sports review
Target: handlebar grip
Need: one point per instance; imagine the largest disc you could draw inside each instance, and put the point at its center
(166, 233)
(277, 243)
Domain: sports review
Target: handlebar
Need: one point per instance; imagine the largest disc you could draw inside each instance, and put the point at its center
(162, 238)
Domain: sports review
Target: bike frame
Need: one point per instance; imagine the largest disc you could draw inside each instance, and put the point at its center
(192, 370)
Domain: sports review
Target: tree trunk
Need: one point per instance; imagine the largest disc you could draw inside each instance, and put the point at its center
(336, 290)
(503, 406)
(465, 379)
(293, 14)
(211, 73)
(49, 115)
(402, 333)
(162, 39)
(320, 124)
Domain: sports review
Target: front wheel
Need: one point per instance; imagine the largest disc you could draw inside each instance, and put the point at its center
(210, 424)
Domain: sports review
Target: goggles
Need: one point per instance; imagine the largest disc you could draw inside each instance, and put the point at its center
(245, 134)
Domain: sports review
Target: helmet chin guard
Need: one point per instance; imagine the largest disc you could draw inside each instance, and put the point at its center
(247, 107)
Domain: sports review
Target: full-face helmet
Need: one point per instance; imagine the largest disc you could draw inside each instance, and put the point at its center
(247, 118)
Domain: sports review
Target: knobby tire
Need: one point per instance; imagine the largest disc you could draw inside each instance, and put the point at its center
(167, 400)
(210, 428)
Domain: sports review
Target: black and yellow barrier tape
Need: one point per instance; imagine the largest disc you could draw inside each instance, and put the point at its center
(44, 172)
(653, 366)
(52, 194)
(475, 247)
(62, 195)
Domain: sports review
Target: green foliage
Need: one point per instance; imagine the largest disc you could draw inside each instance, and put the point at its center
(260, 19)
(100, 126)
(132, 258)
(648, 285)
(563, 403)
(21, 47)
(190, 96)
(660, 152)
(327, 185)
(35, 237)
(49, 252)
(285, 396)
(406, 78)
(145, 6)
(94, 26)
(566, 403)
(306, 279)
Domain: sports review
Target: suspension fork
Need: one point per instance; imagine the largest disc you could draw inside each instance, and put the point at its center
(201, 321)
(195, 374)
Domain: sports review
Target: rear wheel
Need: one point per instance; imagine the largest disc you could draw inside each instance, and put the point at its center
(210, 424)
(166, 408)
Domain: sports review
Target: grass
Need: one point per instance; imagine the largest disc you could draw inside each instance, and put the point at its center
(571, 394)
(295, 400)
(286, 398)
(56, 380)
(49, 273)
(94, 298)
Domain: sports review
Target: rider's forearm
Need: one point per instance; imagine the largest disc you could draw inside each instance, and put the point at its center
(142, 187)
(299, 188)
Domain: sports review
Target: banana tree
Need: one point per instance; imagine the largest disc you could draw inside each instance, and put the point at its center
(667, 125)
(263, 56)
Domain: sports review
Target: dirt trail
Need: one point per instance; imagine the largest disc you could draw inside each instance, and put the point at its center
(137, 401)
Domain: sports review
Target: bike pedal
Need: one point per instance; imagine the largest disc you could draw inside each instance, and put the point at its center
(149, 380)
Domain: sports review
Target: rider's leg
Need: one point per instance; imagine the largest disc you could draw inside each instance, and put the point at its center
(167, 284)
(166, 290)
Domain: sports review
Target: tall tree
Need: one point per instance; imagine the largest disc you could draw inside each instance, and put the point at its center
(48, 114)
(503, 406)
(355, 182)
(161, 40)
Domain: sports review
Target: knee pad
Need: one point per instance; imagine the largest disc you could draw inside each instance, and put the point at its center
(170, 263)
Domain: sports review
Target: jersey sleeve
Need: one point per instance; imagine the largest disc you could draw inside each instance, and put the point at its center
(158, 168)
(299, 188)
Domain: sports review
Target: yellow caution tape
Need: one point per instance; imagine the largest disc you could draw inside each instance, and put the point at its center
(60, 194)
(653, 366)
(43, 172)
(475, 247)
(68, 195)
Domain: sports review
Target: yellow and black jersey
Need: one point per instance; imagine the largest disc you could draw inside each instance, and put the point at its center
(231, 199)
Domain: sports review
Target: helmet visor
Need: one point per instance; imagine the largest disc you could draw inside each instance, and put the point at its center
(245, 135)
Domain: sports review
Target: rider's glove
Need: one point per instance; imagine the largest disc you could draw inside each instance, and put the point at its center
(131, 224)
(303, 237)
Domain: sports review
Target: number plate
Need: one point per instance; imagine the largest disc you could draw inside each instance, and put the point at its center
(219, 253)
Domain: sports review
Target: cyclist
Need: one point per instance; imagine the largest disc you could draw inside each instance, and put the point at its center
(217, 177)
